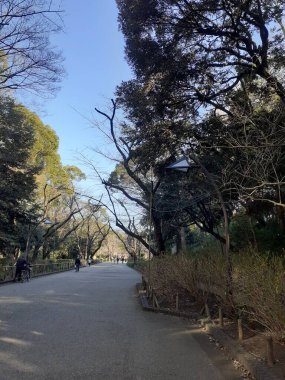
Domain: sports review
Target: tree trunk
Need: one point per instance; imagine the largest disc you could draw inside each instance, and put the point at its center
(46, 251)
(183, 240)
(158, 236)
(36, 251)
(280, 213)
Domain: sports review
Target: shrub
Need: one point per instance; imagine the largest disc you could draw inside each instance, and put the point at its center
(258, 284)
(259, 290)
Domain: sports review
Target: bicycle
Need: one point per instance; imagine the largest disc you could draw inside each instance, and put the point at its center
(26, 274)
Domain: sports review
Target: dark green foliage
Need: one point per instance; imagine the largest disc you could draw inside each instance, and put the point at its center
(17, 176)
(208, 84)
(266, 236)
(198, 51)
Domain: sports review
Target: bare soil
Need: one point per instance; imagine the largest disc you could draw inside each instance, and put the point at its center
(254, 339)
(255, 343)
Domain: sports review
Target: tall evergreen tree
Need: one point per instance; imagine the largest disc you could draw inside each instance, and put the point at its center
(17, 183)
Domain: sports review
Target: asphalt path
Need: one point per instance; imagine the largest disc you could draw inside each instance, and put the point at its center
(89, 325)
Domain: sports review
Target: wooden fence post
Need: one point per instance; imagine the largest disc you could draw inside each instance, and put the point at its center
(177, 302)
(221, 319)
(152, 297)
(240, 331)
(269, 351)
(207, 311)
(208, 327)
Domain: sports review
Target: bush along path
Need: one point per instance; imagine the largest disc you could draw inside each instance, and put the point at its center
(190, 289)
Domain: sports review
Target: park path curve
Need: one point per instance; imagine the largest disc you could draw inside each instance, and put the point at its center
(89, 325)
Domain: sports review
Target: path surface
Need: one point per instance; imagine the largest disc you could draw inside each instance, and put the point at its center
(89, 325)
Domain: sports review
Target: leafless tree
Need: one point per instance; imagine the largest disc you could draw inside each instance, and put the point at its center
(27, 58)
(93, 230)
(140, 191)
(254, 170)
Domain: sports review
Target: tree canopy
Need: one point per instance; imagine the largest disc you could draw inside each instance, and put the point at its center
(17, 184)
(207, 84)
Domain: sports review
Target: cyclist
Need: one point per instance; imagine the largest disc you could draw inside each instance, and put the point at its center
(21, 265)
(77, 263)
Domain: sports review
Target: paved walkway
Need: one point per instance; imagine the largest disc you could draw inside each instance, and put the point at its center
(89, 325)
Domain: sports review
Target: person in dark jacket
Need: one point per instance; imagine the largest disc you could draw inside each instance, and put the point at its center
(77, 264)
(21, 264)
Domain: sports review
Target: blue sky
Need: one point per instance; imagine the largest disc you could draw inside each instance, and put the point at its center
(93, 49)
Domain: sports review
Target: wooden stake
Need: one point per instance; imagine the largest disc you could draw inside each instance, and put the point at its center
(208, 327)
(240, 331)
(143, 283)
(221, 319)
(155, 301)
(207, 311)
(149, 291)
(269, 349)
(152, 297)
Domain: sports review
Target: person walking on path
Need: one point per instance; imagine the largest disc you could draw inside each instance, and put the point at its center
(89, 261)
(77, 263)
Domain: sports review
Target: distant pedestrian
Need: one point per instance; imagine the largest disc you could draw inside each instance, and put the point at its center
(118, 259)
(77, 264)
(89, 261)
(122, 258)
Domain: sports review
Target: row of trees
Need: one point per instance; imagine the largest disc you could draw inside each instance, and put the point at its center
(208, 84)
(41, 212)
(40, 209)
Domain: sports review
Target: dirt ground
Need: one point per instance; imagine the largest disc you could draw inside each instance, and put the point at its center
(254, 341)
